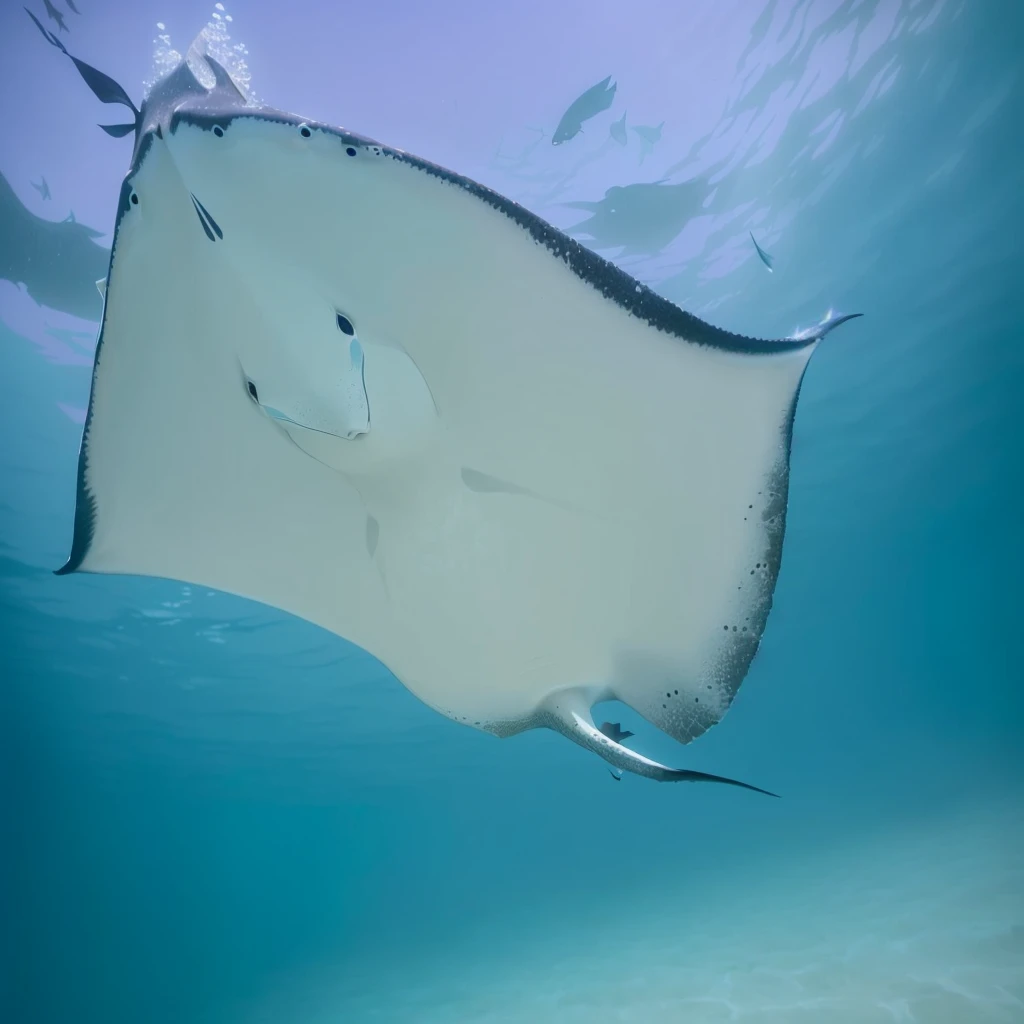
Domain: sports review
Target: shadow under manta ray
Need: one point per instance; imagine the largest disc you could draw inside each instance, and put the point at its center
(410, 422)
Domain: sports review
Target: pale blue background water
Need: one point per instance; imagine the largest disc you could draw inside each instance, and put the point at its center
(213, 812)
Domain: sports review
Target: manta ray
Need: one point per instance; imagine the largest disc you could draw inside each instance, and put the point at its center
(345, 382)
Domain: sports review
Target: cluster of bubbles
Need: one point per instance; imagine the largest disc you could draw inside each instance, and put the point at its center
(215, 40)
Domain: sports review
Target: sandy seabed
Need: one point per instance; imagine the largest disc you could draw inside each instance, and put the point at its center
(923, 925)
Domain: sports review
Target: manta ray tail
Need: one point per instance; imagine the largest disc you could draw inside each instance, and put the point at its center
(568, 712)
(104, 88)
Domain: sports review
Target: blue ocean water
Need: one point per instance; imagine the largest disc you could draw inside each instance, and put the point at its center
(216, 812)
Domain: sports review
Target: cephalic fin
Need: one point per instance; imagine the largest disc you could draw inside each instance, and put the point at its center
(104, 88)
(118, 131)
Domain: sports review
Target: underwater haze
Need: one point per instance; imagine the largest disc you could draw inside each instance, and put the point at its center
(217, 812)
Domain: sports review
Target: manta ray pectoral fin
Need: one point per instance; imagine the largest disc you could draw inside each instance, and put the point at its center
(568, 712)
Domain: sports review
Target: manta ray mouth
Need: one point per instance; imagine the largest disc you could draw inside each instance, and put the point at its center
(352, 411)
(284, 418)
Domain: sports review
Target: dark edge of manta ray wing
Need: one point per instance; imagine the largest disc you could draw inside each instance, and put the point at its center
(747, 645)
(603, 275)
(85, 502)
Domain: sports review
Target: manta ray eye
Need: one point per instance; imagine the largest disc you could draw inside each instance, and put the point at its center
(218, 131)
(345, 325)
(253, 393)
(304, 131)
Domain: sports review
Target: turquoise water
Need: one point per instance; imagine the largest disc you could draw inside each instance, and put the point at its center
(216, 812)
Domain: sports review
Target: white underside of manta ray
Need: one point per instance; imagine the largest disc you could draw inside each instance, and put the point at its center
(342, 381)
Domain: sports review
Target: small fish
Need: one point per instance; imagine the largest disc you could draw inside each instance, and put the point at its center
(617, 130)
(42, 188)
(648, 133)
(617, 776)
(597, 98)
(72, 7)
(614, 731)
(766, 259)
(55, 15)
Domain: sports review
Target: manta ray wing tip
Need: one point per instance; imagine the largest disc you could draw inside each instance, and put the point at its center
(830, 324)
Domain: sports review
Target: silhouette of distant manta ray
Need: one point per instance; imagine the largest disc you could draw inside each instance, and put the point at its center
(57, 261)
